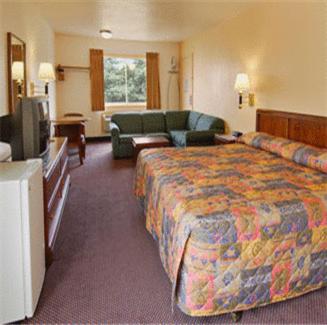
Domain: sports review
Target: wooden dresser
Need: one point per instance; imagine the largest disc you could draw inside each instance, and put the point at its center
(56, 182)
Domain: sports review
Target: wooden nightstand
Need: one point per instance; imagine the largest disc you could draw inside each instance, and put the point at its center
(224, 139)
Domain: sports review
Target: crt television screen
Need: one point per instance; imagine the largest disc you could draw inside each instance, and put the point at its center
(44, 111)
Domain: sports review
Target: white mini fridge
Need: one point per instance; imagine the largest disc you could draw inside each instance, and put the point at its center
(22, 259)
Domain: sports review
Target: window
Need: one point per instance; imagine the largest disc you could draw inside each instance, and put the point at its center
(125, 81)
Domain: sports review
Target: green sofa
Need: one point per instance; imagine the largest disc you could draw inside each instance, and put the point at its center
(182, 128)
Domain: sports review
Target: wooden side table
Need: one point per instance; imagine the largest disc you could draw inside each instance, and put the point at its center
(224, 139)
(140, 143)
(72, 127)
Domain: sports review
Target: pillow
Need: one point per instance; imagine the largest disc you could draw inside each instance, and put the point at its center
(264, 141)
(192, 120)
(298, 152)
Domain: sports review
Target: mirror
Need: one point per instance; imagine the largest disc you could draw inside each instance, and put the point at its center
(16, 51)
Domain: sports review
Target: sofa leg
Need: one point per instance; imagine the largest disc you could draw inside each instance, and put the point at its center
(236, 316)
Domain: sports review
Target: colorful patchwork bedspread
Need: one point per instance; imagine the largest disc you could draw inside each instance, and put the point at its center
(237, 227)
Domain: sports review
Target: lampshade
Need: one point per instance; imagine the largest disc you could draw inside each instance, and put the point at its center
(46, 72)
(242, 82)
(17, 70)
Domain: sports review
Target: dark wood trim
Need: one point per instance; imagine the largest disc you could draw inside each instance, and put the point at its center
(16, 37)
(61, 70)
(9, 74)
(306, 128)
(59, 66)
(98, 139)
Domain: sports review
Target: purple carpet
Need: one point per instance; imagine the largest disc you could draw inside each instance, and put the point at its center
(107, 267)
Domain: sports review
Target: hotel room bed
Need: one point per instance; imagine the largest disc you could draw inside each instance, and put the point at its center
(238, 226)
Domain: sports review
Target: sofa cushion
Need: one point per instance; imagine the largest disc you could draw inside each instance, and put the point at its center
(193, 120)
(207, 122)
(154, 122)
(176, 120)
(178, 138)
(128, 122)
(157, 134)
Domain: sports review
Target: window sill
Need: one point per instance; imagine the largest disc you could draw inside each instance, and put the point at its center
(118, 105)
(125, 107)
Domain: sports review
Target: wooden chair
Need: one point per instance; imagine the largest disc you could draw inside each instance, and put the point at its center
(75, 133)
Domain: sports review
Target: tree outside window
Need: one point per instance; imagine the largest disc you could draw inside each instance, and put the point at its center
(125, 80)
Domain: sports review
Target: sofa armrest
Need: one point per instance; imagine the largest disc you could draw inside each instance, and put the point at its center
(218, 126)
(200, 136)
(218, 131)
(114, 129)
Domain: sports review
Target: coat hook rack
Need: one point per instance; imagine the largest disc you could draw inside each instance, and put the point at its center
(61, 70)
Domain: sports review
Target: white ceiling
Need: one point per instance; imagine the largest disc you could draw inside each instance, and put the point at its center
(146, 20)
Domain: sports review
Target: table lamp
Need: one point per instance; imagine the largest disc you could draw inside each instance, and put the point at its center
(17, 73)
(46, 74)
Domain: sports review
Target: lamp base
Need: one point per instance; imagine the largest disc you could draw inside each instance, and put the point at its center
(251, 99)
(19, 89)
(240, 101)
(46, 88)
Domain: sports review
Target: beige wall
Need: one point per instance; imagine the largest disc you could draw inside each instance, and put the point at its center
(281, 46)
(73, 94)
(26, 23)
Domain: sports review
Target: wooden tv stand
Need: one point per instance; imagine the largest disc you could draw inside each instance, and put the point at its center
(56, 182)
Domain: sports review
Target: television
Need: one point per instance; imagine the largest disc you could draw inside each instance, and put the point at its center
(30, 131)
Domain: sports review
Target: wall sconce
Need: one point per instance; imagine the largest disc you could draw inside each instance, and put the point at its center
(46, 74)
(242, 84)
(17, 73)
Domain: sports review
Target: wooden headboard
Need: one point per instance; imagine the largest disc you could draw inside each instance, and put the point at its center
(309, 129)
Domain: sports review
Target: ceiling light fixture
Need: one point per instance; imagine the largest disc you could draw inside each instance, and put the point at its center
(105, 33)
